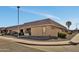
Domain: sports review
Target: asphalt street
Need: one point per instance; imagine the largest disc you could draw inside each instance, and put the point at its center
(11, 46)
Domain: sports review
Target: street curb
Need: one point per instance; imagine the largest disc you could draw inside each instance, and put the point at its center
(27, 42)
(43, 44)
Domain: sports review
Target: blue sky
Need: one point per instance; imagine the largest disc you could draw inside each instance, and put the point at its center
(61, 14)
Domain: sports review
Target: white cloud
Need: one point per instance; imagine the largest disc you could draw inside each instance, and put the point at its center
(39, 13)
(73, 20)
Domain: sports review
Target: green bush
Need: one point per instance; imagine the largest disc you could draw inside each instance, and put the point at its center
(70, 33)
(61, 35)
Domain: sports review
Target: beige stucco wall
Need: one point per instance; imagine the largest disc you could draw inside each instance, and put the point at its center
(14, 29)
(52, 31)
(36, 31)
(48, 31)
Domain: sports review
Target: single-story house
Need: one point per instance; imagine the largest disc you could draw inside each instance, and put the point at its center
(45, 27)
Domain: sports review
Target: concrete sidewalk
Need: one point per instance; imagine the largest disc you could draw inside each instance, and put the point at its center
(75, 39)
(29, 42)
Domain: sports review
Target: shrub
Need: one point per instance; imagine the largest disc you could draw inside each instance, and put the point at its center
(62, 35)
(69, 32)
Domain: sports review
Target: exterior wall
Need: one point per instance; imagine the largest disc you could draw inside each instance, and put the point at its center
(16, 30)
(52, 31)
(45, 31)
(36, 31)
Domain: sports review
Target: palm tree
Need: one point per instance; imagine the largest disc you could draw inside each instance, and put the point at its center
(68, 24)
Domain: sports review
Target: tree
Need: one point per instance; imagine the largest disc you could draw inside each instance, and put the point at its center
(68, 24)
